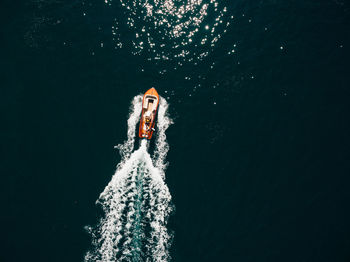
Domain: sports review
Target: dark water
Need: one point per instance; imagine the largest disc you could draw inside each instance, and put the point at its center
(259, 150)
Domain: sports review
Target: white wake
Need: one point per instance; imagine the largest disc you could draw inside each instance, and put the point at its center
(136, 202)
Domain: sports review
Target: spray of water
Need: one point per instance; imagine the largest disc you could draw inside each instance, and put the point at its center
(136, 202)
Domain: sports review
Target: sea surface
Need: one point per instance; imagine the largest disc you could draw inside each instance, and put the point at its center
(250, 160)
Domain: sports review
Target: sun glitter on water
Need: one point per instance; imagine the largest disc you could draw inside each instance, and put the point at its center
(181, 31)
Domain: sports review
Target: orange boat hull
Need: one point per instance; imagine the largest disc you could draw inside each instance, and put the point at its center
(150, 104)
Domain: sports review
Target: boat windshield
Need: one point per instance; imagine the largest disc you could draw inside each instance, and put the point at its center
(150, 105)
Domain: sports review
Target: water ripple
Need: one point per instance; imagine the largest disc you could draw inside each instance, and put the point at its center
(181, 31)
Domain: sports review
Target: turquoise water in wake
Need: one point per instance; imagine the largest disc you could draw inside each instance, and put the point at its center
(258, 150)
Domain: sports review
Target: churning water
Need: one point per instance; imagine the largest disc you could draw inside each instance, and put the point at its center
(136, 202)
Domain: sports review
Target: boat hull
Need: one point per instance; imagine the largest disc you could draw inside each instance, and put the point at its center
(150, 104)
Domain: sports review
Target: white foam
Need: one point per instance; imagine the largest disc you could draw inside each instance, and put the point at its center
(127, 147)
(136, 202)
(162, 147)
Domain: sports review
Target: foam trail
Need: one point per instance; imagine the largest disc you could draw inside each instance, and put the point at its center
(136, 202)
(162, 147)
(134, 117)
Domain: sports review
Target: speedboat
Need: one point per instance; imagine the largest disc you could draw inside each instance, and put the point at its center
(150, 104)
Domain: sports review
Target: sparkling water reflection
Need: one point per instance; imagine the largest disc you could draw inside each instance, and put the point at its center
(181, 31)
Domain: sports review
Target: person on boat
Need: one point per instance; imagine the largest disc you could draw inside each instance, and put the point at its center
(148, 121)
(148, 117)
